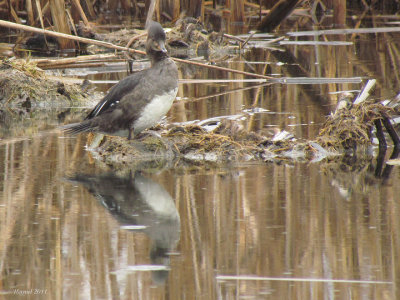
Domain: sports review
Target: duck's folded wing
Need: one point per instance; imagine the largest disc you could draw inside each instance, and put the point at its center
(116, 93)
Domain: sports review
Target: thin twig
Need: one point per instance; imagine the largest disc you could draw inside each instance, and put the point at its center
(232, 37)
(275, 40)
(45, 62)
(225, 92)
(222, 68)
(134, 38)
(248, 39)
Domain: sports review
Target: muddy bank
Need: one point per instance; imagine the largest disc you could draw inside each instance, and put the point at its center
(25, 86)
(31, 102)
(195, 144)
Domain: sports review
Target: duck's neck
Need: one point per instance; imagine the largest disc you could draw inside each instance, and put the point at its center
(156, 57)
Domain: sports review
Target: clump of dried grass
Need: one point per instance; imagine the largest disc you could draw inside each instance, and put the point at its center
(228, 139)
(348, 128)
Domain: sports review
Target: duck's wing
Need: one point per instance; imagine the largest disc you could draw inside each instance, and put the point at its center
(116, 93)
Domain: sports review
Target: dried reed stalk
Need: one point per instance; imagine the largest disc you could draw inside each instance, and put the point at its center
(110, 45)
(57, 8)
(150, 13)
(90, 8)
(45, 62)
(29, 10)
(14, 15)
(176, 9)
(40, 15)
(81, 12)
(237, 9)
(41, 11)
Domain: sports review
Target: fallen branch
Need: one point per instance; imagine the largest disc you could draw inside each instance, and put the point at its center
(47, 63)
(112, 46)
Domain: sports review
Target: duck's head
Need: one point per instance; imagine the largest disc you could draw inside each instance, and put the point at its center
(155, 45)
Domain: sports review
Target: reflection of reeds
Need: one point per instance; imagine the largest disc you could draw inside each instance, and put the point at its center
(263, 220)
(284, 235)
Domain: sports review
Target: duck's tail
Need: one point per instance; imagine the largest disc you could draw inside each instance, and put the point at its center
(76, 128)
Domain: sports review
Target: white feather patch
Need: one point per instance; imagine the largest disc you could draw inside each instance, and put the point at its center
(155, 110)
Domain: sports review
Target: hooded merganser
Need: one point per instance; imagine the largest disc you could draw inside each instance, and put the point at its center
(138, 101)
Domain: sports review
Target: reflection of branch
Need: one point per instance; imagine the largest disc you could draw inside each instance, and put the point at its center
(293, 67)
(359, 58)
(278, 13)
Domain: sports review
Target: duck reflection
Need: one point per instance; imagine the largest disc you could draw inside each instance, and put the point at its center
(139, 204)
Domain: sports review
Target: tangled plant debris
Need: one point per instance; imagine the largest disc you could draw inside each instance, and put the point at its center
(352, 127)
(349, 128)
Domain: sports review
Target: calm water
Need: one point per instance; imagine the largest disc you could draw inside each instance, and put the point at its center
(73, 229)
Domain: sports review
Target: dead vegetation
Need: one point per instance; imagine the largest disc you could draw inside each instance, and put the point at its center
(188, 38)
(352, 127)
(346, 131)
(24, 85)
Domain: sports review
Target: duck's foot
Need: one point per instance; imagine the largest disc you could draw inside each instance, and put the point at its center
(148, 133)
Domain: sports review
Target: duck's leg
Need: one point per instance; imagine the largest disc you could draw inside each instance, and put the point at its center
(130, 134)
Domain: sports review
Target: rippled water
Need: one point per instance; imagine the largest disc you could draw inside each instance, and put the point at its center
(73, 229)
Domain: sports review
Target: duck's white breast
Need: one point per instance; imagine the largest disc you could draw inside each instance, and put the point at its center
(155, 110)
